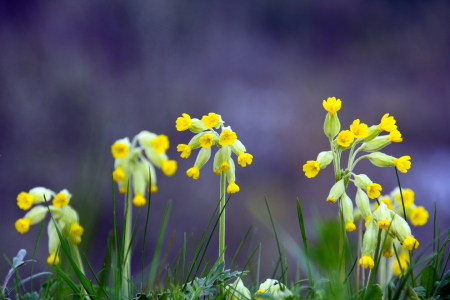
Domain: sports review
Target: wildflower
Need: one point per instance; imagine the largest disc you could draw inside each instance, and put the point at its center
(34, 216)
(168, 167)
(62, 199)
(53, 259)
(120, 148)
(76, 230)
(395, 136)
(233, 188)
(388, 246)
(336, 191)
(185, 150)
(359, 130)
(332, 105)
(160, 143)
(369, 245)
(419, 216)
(119, 175)
(184, 122)
(237, 291)
(386, 200)
(34, 196)
(227, 137)
(373, 190)
(345, 138)
(139, 200)
(331, 125)
(375, 144)
(274, 287)
(212, 120)
(313, 167)
(403, 164)
(193, 172)
(23, 225)
(406, 196)
(347, 212)
(387, 123)
(206, 141)
(383, 216)
(402, 232)
(397, 268)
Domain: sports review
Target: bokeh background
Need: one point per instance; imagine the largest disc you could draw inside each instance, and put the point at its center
(77, 75)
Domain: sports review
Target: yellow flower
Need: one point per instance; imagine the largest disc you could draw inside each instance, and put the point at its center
(119, 175)
(332, 105)
(245, 159)
(387, 123)
(403, 163)
(397, 268)
(311, 168)
(395, 136)
(419, 216)
(76, 230)
(139, 200)
(206, 141)
(408, 197)
(25, 200)
(160, 143)
(373, 190)
(350, 226)
(359, 130)
(185, 150)
(123, 190)
(211, 120)
(152, 189)
(120, 148)
(193, 172)
(410, 243)
(225, 166)
(387, 201)
(169, 167)
(62, 199)
(23, 225)
(367, 262)
(53, 259)
(233, 188)
(227, 137)
(183, 123)
(345, 138)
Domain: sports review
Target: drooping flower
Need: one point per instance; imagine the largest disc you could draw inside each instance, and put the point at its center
(211, 120)
(373, 190)
(120, 148)
(311, 168)
(403, 164)
(183, 123)
(395, 136)
(387, 123)
(418, 216)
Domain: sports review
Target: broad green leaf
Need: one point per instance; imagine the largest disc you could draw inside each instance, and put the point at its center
(428, 279)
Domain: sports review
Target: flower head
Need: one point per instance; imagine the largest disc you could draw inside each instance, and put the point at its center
(387, 123)
(211, 120)
(367, 262)
(245, 159)
(183, 123)
(62, 199)
(311, 168)
(345, 138)
(359, 130)
(160, 143)
(227, 137)
(332, 105)
(206, 141)
(185, 150)
(406, 196)
(395, 136)
(419, 216)
(403, 163)
(373, 190)
(120, 148)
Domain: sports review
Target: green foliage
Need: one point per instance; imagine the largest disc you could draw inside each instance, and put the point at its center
(443, 288)
(428, 280)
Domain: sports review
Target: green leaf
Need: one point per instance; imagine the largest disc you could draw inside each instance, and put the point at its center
(428, 279)
(420, 291)
(374, 293)
(443, 288)
(411, 294)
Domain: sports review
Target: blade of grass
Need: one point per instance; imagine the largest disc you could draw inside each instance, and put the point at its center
(301, 223)
(240, 246)
(38, 238)
(276, 238)
(96, 278)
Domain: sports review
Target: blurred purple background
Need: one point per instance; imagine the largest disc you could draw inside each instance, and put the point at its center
(77, 75)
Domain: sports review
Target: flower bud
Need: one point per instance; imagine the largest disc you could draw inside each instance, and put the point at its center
(331, 126)
(363, 203)
(324, 159)
(347, 212)
(375, 144)
(380, 159)
(336, 191)
(362, 181)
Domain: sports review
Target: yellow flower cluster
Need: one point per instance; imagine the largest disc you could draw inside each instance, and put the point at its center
(65, 216)
(205, 138)
(135, 163)
(358, 138)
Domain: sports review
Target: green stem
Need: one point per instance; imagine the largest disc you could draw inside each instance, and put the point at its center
(222, 219)
(374, 270)
(77, 258)
(126, 246)
(341, 244)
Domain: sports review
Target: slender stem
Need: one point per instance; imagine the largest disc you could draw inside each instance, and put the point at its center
(374, 270)
(341, 243)
(222, 218)
(358, 267)
(126, 245)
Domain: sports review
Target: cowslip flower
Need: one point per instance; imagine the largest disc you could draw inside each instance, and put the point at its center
(227, 141)
(347, 212)
(402, 232)
(406, 196)
(331, 126)
(65, 217)
(345, 138)
(418, 216)
(387, 123)
(369, 245)
(237, 291)
(273, 287)
(402, 264)
(359, 130)
(395, 136)
(313, 167)
(332, 105)
(136, 168)
(403, 164)
(36, 195)
(379, 159)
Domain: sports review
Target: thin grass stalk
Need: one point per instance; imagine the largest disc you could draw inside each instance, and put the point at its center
(126, 245)
(278, 243)
(222, 218)
(147, 217)
(305, 243)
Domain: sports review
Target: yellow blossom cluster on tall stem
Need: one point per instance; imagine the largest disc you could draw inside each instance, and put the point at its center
(66, 219)
(227, 142)
(363, 142)
(134, 166)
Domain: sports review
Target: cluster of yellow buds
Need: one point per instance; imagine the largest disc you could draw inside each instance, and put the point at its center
(237, 290)
(417, 215)
(205, 138)
(362, 138)
(135, 163)
(65, 216)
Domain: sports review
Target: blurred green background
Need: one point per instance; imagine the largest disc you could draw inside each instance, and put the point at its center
(77, 75)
